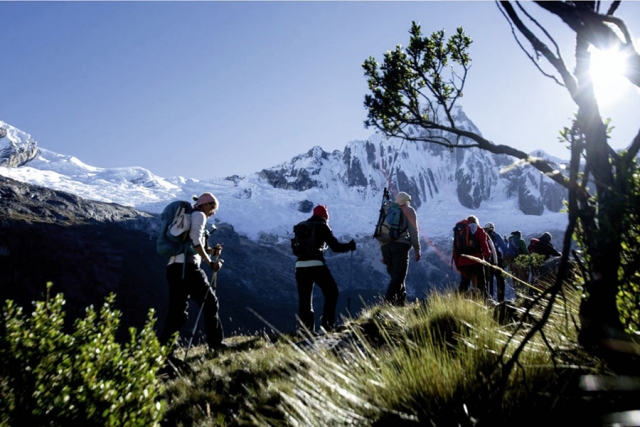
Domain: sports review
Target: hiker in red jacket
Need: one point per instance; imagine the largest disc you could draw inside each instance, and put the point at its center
(472, 271)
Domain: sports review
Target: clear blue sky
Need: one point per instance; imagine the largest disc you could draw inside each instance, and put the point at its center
(209, 89)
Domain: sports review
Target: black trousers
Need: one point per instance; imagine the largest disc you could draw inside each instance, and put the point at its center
(490, 274)
(396, 257)
(195, 285)
(320, 275)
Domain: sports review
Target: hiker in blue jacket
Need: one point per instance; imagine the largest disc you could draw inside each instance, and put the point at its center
(311, 268)
(187, 279)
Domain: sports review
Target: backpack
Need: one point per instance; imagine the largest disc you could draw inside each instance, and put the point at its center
(174, 235)
(392, 223)
(534, 245)
(464, 242)
(512, 250)
(303, 243)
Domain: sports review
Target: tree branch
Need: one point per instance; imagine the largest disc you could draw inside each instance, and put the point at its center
(594, 28)
(538, 46)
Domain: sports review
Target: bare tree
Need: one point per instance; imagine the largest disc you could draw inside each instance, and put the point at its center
(418, 86)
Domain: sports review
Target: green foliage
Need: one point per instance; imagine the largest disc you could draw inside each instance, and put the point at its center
(525, 261)
(402, 87)
(628, 298)
(49, 377)
(627, 177)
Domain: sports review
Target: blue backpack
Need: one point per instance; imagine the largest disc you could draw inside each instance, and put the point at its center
(174, 232)
(512, 250)
(392, 223)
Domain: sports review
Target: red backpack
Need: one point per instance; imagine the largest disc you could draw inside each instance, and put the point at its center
(463, 241)
(534, 244)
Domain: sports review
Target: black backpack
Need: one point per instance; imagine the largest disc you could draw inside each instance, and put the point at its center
(303, 243)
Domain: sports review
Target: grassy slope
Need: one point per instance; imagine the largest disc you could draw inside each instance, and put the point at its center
(439, 362)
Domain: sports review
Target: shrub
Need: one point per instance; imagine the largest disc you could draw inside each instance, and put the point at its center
(49, 377)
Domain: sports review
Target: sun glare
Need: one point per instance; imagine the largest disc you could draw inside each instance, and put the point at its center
(607, 73)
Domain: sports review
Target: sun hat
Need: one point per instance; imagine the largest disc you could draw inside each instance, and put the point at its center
(206, 198)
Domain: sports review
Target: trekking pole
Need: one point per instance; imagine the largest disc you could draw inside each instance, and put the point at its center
(351, 270)
(214, 279)
(350, 277)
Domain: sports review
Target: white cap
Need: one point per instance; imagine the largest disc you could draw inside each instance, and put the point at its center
(403, 198)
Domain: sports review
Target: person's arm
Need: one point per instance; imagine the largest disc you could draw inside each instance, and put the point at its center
(331, 241)
(214, 264)
(500, 243)
(196, 234)
(484, 246)
(414, 230)
(553, 251)
(492, 248)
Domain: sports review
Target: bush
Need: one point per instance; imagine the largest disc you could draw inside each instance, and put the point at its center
(49, 377)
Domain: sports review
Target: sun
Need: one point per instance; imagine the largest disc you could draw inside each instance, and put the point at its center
(607, 73)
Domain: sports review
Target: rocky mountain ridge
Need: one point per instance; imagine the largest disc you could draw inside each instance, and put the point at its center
(112, 247)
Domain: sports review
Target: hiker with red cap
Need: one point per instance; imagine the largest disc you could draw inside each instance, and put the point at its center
(187, 279)
(311, 238)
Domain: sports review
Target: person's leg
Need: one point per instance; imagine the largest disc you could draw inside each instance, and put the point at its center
(178, 303)
(304, 280)
(489, 274)
(202, 293)
(329, 288)
(465, 279)
(396, 292)
(500, 281)
(479, 280)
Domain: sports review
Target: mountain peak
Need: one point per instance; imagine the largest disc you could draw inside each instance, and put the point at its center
(265, 203)
(16, 147)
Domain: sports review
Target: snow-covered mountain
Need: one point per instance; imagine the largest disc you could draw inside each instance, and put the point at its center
(16, 147)
(256, 216)
(445, 185)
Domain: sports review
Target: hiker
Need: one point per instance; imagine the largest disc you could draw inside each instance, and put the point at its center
(311, 268)
(500, 247)
(471, 271)
(395, 253)
(516, 246)
(187, 279)
(544, 247)
(493, 260)
(541, 246)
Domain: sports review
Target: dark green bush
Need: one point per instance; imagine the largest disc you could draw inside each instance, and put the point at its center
(49, 377)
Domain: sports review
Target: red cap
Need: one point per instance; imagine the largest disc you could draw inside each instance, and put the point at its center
(321, 211)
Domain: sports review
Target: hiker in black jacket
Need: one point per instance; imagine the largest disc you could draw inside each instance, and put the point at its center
(545, 247)
(311, 268)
